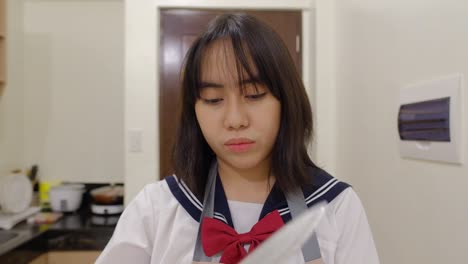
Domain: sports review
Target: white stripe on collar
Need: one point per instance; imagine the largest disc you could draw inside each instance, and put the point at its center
(190, 195)
(315, 195)
(220, 216)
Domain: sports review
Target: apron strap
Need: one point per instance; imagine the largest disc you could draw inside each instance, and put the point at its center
(208, 211)
(296, 204)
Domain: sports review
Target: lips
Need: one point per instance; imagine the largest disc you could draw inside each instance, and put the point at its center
(238, 141)
(239, 144)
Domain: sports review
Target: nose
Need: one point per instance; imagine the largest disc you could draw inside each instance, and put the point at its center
(235, 116)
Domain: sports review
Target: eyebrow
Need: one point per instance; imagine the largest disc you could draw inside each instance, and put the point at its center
(254, 80)
(210, 85)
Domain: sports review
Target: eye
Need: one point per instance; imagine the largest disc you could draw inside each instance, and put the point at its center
(212, 101)
(255, 96)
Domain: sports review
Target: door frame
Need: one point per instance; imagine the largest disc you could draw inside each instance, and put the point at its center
(141, 96)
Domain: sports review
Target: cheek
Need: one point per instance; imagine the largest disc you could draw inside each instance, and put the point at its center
(275, 123)
(205, 121)
(275, 114)
(269, 121)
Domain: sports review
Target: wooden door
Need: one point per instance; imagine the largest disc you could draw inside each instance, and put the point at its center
(179, 28)
(3, 51)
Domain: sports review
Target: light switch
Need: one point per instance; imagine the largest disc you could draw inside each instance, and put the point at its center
(135, 140)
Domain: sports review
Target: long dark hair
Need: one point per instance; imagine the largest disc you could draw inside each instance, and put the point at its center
(252, 41)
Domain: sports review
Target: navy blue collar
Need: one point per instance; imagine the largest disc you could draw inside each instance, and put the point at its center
(323, 188)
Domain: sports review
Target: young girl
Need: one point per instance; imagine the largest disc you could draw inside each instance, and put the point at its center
(241, 163)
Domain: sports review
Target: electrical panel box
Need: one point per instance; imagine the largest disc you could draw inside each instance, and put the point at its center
(430, 120)
(425, 121)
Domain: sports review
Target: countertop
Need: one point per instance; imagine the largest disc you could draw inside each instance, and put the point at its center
(76, 231)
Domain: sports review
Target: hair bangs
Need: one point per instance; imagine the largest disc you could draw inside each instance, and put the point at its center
(234, 41)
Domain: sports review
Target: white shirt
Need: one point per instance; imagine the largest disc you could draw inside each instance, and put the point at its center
(244, 215)
(156, 229)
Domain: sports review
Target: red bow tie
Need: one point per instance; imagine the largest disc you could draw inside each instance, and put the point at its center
(217, 237)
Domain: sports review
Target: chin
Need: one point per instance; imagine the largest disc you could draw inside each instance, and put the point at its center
(242, 162)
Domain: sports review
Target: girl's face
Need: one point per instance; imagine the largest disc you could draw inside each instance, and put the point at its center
(241, 128)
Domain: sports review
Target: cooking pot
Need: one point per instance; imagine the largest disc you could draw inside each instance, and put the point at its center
(66, 197)
(108, 195)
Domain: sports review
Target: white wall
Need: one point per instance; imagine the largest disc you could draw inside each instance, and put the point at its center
(323, 90)
(418, 210)
(73, 89)
(11, 103)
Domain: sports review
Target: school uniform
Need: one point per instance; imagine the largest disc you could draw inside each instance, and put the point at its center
(162, 223)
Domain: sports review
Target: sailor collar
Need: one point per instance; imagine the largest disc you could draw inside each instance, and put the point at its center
(324, 187)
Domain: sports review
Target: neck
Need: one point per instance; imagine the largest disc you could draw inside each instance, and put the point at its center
(246, 185)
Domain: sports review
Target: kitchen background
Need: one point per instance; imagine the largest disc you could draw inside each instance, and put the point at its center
(82, 76)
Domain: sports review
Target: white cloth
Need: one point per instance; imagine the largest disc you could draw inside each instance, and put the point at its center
(156, 229)
(244, 215)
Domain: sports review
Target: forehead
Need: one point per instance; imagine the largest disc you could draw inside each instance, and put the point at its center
(220, 63)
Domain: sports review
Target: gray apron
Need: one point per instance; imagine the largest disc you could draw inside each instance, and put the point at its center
(296, 204)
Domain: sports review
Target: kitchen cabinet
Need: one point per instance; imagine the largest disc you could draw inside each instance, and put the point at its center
(73, 239)
(2, 45)
(42, 259)
(69, 257)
